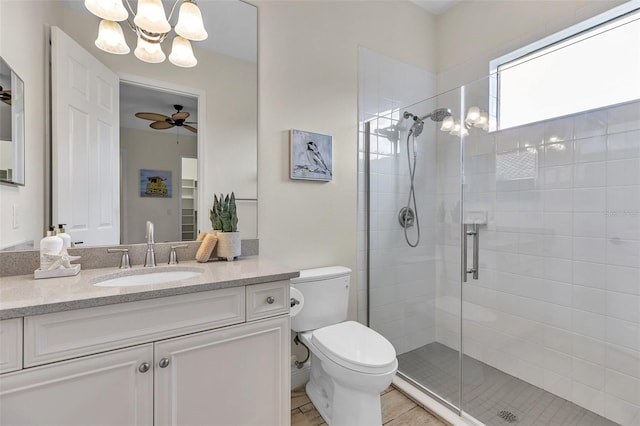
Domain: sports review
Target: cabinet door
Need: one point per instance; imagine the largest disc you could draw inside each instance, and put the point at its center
(106, 389)
(234, 376)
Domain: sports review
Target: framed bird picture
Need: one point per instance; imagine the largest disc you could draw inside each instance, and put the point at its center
(311, 156)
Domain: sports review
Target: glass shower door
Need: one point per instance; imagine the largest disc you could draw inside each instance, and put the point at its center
(414, 273)
(550, 327)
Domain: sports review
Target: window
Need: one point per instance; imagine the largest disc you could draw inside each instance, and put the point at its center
(590, 65)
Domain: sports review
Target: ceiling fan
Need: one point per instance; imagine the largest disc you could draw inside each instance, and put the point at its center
(162, 122)
(5, 96)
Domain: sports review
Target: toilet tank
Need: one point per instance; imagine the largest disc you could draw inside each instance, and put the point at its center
(326, 297)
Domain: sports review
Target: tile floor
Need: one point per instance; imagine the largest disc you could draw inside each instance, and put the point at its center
(489, 392)
(397, 410)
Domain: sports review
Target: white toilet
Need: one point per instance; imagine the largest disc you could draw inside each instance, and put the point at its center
(350, 363)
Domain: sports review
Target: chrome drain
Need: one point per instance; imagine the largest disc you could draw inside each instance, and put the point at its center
(508, 416)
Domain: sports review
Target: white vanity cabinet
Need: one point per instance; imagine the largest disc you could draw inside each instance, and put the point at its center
(103, 389)
(231, 376)
(86, 367)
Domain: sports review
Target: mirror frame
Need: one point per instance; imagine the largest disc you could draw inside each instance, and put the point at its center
(17, 130)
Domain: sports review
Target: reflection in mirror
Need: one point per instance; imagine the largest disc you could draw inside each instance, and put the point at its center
(226, 74)
(11, 126)
(155, 140)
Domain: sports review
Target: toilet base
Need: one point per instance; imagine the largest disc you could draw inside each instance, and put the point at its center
(341, 406)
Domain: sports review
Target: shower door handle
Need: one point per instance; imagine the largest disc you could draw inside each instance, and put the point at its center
(470, 230)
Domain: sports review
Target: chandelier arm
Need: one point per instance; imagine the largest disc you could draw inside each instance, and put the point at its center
(173, 8)
(130, 9)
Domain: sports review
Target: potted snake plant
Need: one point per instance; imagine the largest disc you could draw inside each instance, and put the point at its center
(224, 220)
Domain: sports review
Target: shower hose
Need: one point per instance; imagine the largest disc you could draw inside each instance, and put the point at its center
(412, 192)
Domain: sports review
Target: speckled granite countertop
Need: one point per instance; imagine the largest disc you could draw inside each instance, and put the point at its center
(23, 295)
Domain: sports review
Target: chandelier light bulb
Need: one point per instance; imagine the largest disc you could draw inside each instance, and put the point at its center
(482, 121)
(111, 10)
(455, 130)
(182, 53)
(151, 17)
(473, 114)
(190, 25)
(447, 124)
(149, 52)
(111, 39)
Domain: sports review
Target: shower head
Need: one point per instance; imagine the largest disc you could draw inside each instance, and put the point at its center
(435, 115)
(439, 114)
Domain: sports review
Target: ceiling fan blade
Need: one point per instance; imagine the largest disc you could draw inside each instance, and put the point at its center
(193, 129)
(180, 115)
(160, 125)
(151, 116)
(7, 101)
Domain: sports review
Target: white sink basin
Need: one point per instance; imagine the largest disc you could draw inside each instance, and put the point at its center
(146, 276)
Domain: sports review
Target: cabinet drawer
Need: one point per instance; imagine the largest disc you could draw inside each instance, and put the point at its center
(62, 335)
(267, 300)
(10, 345)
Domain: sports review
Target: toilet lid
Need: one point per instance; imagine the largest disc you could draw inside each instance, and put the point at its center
(356, 347)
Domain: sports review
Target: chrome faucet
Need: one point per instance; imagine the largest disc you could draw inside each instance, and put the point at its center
(150, 258)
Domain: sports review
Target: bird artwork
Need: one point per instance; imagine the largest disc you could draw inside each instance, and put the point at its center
(316, 161)
(311, 156)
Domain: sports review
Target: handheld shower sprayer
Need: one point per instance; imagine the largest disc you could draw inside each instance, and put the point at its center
(408, 214)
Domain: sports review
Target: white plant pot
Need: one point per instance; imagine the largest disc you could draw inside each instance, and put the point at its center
(229, 245)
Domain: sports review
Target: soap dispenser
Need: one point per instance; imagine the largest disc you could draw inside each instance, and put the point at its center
(66, 238)
(49, 245)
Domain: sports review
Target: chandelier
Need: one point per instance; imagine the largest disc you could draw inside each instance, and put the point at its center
(152, 27)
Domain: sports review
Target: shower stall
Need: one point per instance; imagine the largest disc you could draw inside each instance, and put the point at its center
(509, 283)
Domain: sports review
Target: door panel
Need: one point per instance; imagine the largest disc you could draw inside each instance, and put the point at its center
(85, 113)
(106, 389)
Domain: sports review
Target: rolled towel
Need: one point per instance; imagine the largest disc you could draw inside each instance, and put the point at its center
(201, 236)
(206, 248)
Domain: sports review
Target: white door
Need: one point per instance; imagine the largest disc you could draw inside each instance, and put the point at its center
(107, 389)
(232, 376)
(85, 148)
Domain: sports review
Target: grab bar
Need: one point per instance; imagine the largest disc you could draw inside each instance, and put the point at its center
(465, 232)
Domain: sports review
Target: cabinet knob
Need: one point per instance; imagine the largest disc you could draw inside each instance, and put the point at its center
(164, 363)
(144, 367)
(270, 300)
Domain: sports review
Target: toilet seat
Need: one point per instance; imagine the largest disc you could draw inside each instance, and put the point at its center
(356, 347)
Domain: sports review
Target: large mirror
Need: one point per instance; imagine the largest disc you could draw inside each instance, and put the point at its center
(11, 126)
(222, 89)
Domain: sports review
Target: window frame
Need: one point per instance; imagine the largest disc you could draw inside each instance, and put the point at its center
(544, 43)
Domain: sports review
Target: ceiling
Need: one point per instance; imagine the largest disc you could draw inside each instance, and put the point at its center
(437, 7)
(134, 98)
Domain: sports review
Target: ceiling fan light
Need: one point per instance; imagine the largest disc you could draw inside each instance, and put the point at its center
(111, 39)
(149, 52)
(190, 25)
(111, 10)
(182, 53)
(151, 17)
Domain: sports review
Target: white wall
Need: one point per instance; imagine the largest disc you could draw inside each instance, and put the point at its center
(152, 150)
(26, 21)
(309, 80)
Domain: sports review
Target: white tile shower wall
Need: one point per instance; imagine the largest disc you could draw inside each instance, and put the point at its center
(401, 278)
(558, 302)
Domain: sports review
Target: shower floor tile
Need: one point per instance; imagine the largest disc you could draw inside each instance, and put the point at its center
(490, 395)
